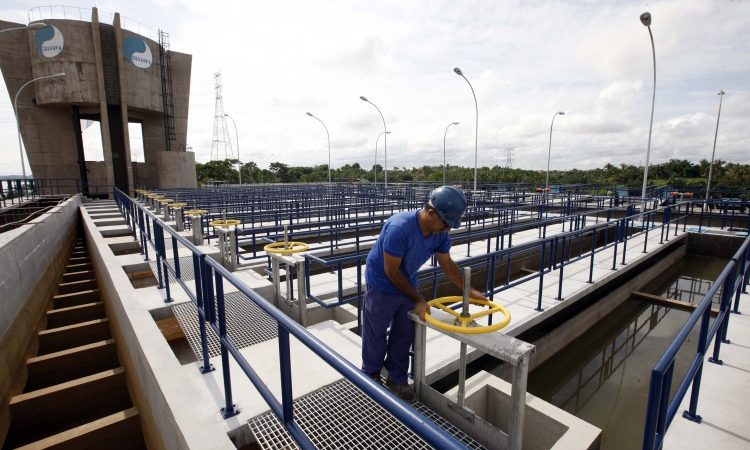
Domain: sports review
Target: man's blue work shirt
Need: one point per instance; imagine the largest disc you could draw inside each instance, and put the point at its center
(402, 237)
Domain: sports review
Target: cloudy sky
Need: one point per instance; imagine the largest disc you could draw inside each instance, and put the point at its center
(526, 60)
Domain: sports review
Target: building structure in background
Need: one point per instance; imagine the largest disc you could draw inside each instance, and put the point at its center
(114, 76)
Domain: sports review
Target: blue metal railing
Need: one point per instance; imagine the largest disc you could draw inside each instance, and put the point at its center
(208, 296)
(661, 410)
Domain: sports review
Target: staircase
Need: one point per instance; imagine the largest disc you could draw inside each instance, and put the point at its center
(76, 395)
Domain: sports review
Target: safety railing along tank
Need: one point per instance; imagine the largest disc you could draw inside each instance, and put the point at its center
(660, 409)
(209, 288)
(559, 248)
(18, 190)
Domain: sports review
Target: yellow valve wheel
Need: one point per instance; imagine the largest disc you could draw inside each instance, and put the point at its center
(224, 223)
(177, 205)
(291, 247)
(466, 324)
(195, 212)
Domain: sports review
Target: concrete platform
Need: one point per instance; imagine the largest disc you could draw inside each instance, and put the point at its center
(724, 396)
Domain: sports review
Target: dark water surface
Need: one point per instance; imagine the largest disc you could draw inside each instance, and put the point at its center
(603, 377)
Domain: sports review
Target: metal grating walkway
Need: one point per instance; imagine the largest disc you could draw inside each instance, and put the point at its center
(186, 268)
(247, 324)
(340, 416)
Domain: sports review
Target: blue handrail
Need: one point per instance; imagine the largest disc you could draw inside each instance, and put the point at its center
(209, 287)
(660, 410)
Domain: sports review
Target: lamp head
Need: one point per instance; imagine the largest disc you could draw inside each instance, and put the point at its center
(455, 123)
(562, 113)
(387, 132)
(363, 98)
(309, 114)
(646, 19)
(458, 71)
(57, 76)
(721, 92)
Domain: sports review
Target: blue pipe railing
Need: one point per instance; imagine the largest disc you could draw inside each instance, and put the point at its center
(208, 296)
(660, 409)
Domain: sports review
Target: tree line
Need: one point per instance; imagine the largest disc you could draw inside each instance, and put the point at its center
(675, 172)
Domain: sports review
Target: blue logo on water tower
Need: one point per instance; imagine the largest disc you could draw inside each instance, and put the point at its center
(137, 52)
(49, 41)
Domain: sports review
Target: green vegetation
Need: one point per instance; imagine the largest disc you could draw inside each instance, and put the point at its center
(674, 172)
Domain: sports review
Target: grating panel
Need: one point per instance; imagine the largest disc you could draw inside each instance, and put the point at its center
(247, 324)
(340, 416)
(186, 268)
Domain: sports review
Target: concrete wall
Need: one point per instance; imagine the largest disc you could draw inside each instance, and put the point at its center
(142, 348)
(32, 258)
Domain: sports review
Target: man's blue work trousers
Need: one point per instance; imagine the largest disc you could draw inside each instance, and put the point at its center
(380, 348)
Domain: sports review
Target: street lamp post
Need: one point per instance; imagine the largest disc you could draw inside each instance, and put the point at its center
(328, 136)
(237, 139)
(476, 130)
(385, 141)
(549, 150)
(445, 168)
(646, 21)
(18, 122)
(374, 168)
(713, 152)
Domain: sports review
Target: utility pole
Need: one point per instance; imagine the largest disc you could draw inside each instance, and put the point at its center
(221, 145)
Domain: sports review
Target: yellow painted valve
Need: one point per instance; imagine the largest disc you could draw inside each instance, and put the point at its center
(289, 248)
(195, 212)
(177, 205)
(224, 223)
(467, 325)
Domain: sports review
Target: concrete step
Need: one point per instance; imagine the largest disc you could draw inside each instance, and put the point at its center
(74, 314)
(45, 412)
(78, 267)
(76, 286)
(79, 260)
(78, 276)
(66, 365)
(75, 298)
(70, 336)
(118, 431)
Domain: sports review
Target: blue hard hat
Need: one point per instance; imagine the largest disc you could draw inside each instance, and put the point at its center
(450, 204)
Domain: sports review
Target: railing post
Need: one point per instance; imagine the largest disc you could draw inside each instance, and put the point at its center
(593, 251)
(230, 409)
(199, 263)
(691, 413)
(302, 292)
(541, 276)
(285, 367)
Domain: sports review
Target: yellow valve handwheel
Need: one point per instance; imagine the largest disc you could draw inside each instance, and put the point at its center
(166, 200)
(177, 204)
(224, 223)
(291, 247)
(466, 322)
(195, 212)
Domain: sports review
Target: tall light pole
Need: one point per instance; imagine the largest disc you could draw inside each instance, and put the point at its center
(237, 139)
(18, 122)
(385, 140)
(329, 144)
(713, 152)
(374, 168)
(444, 136)
(476, 130)
(549, 150)
(646, 21)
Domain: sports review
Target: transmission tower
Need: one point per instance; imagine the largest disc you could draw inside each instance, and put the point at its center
(509, 156)
(221, 146)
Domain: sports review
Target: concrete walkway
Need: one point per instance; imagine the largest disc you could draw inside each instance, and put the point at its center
(724, 397)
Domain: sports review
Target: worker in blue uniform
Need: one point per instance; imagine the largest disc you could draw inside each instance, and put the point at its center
(406, 242)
